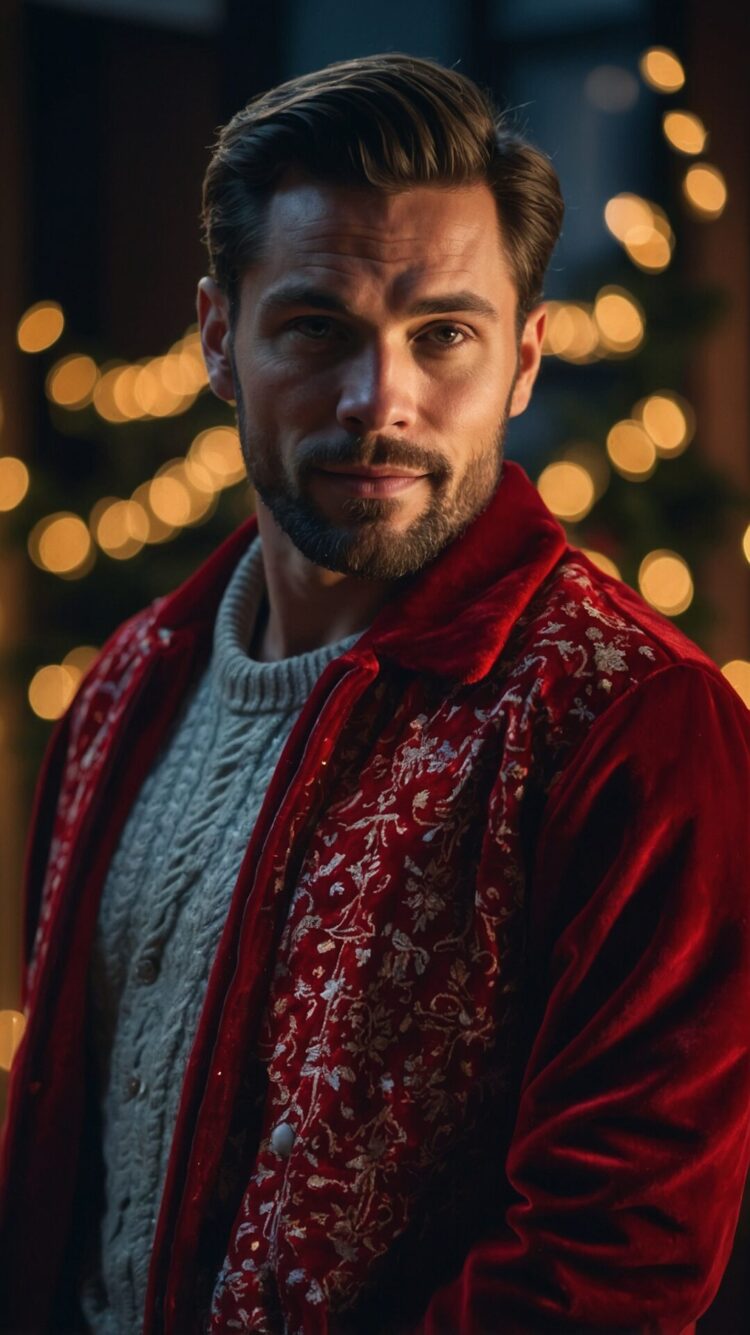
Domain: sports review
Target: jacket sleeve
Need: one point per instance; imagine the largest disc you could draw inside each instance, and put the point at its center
(630, 1147)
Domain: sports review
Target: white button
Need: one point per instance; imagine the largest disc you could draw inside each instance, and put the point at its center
(282, 1140)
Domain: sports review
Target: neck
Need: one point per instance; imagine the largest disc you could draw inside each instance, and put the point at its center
(307, 606)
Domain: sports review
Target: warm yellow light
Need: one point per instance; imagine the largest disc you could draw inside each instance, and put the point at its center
(71, 381)
(61, 543)
(737, 673)
(571, 332)
(202, 501)
(626, 211)
(40, 326)
(649, 248)
(602, 562)
(669, 421)
(218, 450)
(685, 131)
(631, 450)
(620, 320)
(158, 531)
(51, 690)
(105, 401)
(14, 481)
(170, 500)
(12, 1026)
(705, 190)
(665, 581)
(662, 69)
(80, 659)
(124, 382)
(121, 529)
(568, 490)
(746, 544)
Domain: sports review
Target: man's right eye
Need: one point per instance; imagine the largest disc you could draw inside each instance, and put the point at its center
(315, 327)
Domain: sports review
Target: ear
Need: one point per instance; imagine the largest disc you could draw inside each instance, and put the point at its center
(213, 320)
(529, 359)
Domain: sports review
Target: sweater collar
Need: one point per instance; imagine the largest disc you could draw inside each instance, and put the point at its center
(454, 617)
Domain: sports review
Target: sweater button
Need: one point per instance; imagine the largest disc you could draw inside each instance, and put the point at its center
(133, 1087)
(147, 969)
(282, 1140)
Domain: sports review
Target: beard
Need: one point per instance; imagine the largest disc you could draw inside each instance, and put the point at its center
(365, 543)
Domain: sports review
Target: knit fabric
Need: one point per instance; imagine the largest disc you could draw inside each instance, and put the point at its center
(163, 908)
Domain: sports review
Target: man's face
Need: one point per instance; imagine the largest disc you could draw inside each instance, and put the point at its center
(375, 338)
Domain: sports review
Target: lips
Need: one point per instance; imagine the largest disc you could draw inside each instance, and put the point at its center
(375, 483)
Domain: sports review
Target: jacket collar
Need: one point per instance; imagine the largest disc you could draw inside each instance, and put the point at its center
(454, 617)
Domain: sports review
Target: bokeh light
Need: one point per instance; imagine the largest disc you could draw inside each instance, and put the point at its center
(669, 420)
(705, 190)
(52, 689)
(169, 499)
(746, 544)
(14, 481)
(120, 527)
(665, 581)
(61, 544)
(71, 381)
(40, 326)
(79, 660)
(571, 332)
(567, 489)
(620, 320)
(737, 673)
(105, 398)
(631, 450)
(158, 531)
(218, 450)
(12, 1027)
(662, 69)
(685, 131)
(604, 563)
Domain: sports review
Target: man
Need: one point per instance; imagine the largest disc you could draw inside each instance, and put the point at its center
(387, 881)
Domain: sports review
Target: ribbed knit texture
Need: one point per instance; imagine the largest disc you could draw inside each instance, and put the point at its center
(163, 907)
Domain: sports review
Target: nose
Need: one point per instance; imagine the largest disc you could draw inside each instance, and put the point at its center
(377, 392)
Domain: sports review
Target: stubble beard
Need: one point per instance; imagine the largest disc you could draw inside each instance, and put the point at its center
(368, 546)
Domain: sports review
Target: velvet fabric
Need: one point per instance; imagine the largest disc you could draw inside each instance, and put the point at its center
(487, 957)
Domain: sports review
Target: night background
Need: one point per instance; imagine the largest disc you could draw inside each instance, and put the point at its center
(119, 471)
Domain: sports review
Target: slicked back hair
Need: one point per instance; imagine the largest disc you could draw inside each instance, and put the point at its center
(390, 122)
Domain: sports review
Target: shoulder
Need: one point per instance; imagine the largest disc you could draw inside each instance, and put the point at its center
(589, 649)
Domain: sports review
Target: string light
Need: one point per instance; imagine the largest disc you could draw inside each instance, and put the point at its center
(61, 544)
(631, 450)
(14, 481)
(662, 69)
(684, 131)
(737, 673)
(12, 1027)
(620, 320)
(602, 562)
(665, 581)
(705, 190)
(218, 451)
(119, 527)
(571, 332)
(79, 660)
(40, 326)
(51, 690)
(70, 382)
(669, 421)
(567, 489)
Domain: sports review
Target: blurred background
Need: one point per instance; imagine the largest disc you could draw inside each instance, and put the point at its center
(119, 472)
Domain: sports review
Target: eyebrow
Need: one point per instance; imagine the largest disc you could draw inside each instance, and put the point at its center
(303, 294)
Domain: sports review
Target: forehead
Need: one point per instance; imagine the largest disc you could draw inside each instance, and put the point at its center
(407, 239)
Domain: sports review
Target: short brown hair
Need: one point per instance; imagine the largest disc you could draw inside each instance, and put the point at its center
(391, 122)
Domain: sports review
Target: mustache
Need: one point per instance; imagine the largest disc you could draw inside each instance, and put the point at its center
(372, 452)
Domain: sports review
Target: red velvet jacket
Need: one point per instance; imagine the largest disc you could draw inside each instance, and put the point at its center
(486, 960)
